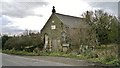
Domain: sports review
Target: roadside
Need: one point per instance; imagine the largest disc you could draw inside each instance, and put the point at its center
(77, 60)
(15, 60)
(71, 61)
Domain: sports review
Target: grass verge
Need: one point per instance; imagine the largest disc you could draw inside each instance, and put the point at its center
(104, 60)
(23, 53)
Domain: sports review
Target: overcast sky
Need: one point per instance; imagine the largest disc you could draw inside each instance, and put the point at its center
(18, 15)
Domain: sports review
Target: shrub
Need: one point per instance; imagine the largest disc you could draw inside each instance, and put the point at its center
(115, 62)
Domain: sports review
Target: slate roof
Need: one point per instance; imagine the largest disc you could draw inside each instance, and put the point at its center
(70, 21)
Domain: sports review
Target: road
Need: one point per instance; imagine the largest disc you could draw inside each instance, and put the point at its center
(11, 60)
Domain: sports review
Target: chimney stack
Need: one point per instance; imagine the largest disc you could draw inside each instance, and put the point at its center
(53, 10)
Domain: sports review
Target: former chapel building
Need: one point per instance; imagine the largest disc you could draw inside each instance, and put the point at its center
(57, 31)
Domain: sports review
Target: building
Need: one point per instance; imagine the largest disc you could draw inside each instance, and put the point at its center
(57, 31)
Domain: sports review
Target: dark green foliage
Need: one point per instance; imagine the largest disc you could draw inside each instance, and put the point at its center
(105, 26)
(28, 43)
(115, 62)
(4, 38)
(107, 29)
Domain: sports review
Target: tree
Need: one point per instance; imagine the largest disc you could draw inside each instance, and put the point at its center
(103, 24)
(118, 38)
(28, 42)
(4, 38)
(113, 30)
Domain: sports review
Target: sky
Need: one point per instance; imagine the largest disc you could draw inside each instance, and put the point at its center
(19, 15)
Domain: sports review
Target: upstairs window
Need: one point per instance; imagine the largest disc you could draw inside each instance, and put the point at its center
(52, 21)
(53, 27)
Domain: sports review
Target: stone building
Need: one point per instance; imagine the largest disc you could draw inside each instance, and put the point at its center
(58, 29)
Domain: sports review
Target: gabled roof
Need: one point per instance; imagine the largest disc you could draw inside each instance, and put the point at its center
(70, 21)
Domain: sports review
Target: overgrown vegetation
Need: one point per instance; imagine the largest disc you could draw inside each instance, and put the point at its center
(24, 42)
(105, 25)
(110, 60)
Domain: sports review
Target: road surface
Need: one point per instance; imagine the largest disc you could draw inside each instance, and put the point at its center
(11, 60)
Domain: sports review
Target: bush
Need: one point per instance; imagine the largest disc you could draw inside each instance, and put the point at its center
(115, 62)
(20, 43)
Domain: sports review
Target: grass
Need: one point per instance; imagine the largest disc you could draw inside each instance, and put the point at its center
(107, 54)
(112, 62)
(24, 53)
(104, 60)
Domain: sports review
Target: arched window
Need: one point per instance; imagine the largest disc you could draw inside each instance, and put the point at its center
(45, 40)
(63, 36)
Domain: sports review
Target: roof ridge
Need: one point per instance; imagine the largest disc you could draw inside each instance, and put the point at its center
(68, 15)
(70, 21)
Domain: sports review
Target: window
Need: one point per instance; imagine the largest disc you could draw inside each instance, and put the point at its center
(63, 34)
(53, 27)
(52, 21)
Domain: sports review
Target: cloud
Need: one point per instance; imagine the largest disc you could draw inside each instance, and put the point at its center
(6, 27)
(4, 19)
(18, 15)
(11, 30)
(20, 9)
(70, 7)
(102, 0)
(29, 22)
(110, 7)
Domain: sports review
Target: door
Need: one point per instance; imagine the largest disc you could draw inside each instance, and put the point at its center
(46, 41)
(54, 45)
